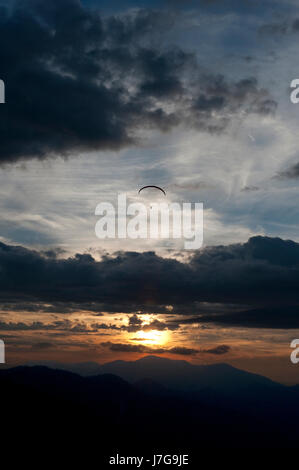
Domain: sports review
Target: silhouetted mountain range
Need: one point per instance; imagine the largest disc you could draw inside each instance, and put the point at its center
(153, 403)
(175, 375)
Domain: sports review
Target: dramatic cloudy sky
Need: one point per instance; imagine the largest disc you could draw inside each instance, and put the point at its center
(103, 97)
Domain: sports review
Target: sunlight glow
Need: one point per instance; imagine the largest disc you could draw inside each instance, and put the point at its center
(151, 337)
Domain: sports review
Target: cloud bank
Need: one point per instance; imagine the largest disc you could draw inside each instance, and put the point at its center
(261, 276)
(78, 81)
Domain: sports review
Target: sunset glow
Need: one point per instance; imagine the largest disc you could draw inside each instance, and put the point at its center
(151, 337)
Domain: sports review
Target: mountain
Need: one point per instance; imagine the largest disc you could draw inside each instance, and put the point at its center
(82, 368)
(108, 413)
(173, 374)
(221, 384)
(181, 375)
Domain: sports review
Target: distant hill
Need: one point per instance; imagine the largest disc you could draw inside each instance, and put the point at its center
(173, 374)
(166, 404)
(82, 368)
(220, 384)
(181, 375)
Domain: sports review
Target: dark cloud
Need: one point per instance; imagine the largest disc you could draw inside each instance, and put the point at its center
(218, 350)
(20, 326)
(182, 351)
(134, 324)
(135, 348)
(61, 325)
(289, 173)
(104, 326)
(140, 348)
(36, 307)
(78, 81)
(160, 326)
(96, 309)
(282, 317)
(30, 344)
(261, 273)
(179, 350)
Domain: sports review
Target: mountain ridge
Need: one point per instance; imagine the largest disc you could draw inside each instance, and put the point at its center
(170, 373)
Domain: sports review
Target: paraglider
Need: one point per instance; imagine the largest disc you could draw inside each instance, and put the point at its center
(152, 186)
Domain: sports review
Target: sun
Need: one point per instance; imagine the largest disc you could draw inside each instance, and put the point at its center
(151, 337)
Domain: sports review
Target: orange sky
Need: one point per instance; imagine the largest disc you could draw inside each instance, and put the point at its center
(84, 336)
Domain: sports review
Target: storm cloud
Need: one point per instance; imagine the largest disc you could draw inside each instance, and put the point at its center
(78, 81)
(259, 275)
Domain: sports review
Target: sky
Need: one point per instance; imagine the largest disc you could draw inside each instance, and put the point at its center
(103, 98)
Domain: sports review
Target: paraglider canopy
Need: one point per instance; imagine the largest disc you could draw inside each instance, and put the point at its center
(152, 186)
